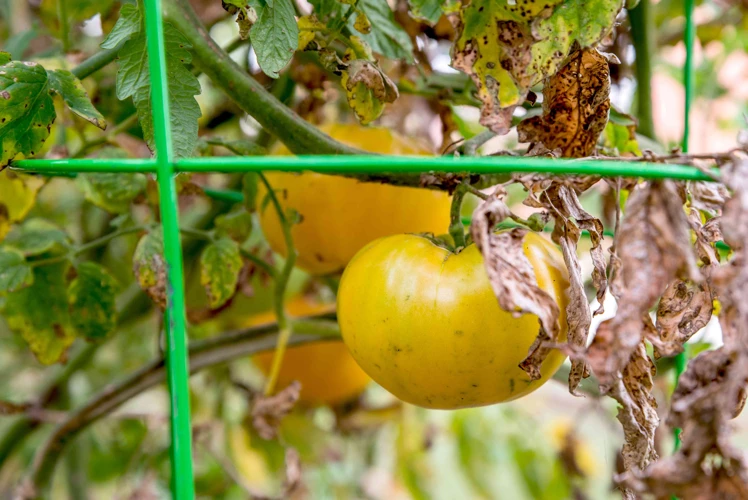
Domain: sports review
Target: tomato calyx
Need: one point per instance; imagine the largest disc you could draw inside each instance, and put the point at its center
(444, 241)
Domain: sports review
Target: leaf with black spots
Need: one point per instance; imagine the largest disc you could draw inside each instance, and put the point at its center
(150, 267)
(220, 264)
(92, 297)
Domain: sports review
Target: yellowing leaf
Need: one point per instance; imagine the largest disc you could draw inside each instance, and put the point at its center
(92, 299)
(506, 48)
(220, 264)
(367, 89)
(17, 197)
(150, 267)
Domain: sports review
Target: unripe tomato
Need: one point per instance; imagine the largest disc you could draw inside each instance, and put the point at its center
(327, 372)
(424, 323)
(340, 215)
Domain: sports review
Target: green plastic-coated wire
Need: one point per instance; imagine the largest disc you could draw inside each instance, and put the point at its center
(688, 82)
(182, 483)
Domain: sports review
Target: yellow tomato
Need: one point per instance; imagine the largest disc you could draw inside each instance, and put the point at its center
(340, 215)
(425, 324)
(327, 372)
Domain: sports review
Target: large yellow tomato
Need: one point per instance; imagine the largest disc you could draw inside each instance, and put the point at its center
(340, 215)
(327, 372)
(425, 324)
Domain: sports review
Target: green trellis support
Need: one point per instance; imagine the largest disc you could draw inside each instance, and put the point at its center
(165, 166)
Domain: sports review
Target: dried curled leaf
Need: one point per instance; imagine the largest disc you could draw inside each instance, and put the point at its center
(575, 107)
(507, 47)
(684, 309)
(653, 246)
(513, 279)
(268, 411)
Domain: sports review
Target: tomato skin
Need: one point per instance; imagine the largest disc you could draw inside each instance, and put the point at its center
(326, 370)
(341, 215)
(425, 324)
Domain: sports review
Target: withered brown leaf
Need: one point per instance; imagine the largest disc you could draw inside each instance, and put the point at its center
(653, 246)
(684, 309)
(268, 411)
(575, 106)
(512, 277)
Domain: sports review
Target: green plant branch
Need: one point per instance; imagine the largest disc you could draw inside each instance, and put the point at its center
(267, 268)
(642, 33)
(88, 246)
(279, 292)
(298, 135)
(202, 355)
(456, 229)
(96, 62)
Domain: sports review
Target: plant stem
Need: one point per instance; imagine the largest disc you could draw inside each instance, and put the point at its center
(96, 62)
(62, 16)
(197, 233)
(279, 294)
(298, 135)
(470, 146)
(87, 246)
(267, 268)
(456, 228)
(642, 32)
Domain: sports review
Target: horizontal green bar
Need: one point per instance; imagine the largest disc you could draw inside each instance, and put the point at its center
(344, 164)
(120, 165)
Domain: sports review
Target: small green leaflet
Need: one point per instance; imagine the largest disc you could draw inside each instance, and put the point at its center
(236, 224)
(26, 110)
(15, 273)
(133, 81)
(112, 192)
(275, 36)
(506, 48)
(149, 267)
(92, 301)
(220, 264)
(38, 236)
(426, 10)
(39, 313)
(5, 58)
(387, 37)
(72, 92)
(127, 25)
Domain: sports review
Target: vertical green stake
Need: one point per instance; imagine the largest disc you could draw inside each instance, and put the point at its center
(182, 484)
(688, 82)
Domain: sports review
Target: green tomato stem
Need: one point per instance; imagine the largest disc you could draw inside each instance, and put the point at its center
(456, 229)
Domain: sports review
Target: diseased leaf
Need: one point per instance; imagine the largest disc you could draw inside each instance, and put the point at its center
(133, 81)
(67, 86)
(128, 24)
(26, 110)
(368, 89)
(684, 309)
(275, 36)
(387, 37)
(512, 277)
(220, 264)
(575, 107)
(39, 313)
(654, 247)
(268, 411)
(150, 267)
(15, 273)
(17, 198)
(112, 192)
(245, 14)
(508, 47)
(92, 299)
(709, 197)
(426, 10)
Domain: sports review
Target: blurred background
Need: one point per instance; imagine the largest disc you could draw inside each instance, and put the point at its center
(548, 445)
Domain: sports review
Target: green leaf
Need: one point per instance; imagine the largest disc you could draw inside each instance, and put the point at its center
(508, 48)
(387, 37)
(325, 9)
(26, 110)
(149, 267)
(92, 299)
(37, 236)
(275, 36)
(426, 10)
(65, 84)
(249, 190)
(127, 25)
(237, 224)
(220, 264)
(112, 192)
(133, 81)
(5, 58)
(16, 199)
(39, 313)
(620, 140)
(15, 273)
(241, 147)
